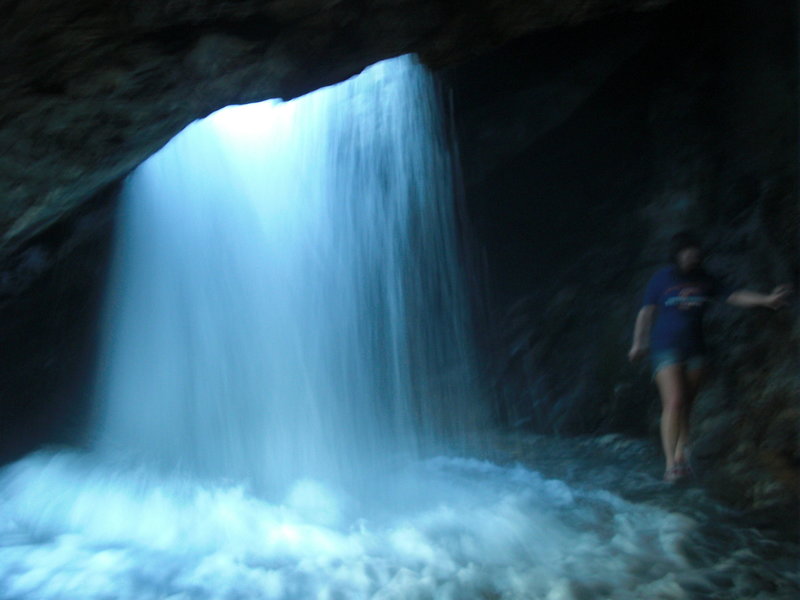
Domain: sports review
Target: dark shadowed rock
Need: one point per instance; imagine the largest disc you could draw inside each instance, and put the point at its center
(50, 297)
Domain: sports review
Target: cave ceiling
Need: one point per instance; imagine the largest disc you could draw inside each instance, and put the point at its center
(90, 88)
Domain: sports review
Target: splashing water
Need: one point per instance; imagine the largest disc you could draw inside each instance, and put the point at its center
(286, 351)
(451, 529)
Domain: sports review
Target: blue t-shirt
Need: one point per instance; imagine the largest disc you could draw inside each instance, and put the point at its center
(681, 300)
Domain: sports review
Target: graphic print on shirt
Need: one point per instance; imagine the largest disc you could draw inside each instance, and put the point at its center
(686, 298)
(681, 301)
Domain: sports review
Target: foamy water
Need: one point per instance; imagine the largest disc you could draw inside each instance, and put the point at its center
(446, 528)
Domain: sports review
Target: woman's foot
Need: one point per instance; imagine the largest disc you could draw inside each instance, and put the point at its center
(682, 456)
(674, 474)
(677, 472)
(685, 467)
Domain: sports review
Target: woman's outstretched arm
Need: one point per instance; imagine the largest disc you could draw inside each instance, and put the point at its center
(641, 332)
(748, 299)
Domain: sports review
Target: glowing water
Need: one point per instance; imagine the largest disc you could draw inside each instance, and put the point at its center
(287, 300)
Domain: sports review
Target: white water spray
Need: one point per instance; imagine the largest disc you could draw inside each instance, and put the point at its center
(287, 301)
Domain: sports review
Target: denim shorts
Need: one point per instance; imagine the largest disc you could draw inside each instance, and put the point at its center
(672, 356)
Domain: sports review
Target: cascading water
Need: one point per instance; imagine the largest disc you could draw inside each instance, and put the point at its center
(287, 300)
(286, 342)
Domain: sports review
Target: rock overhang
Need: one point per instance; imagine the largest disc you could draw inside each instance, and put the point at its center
(91, 88)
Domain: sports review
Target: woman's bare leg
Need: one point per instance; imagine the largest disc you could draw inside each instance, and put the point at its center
(694, 379)
(671, 382)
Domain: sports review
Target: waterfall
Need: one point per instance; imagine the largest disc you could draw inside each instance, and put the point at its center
(286, 299)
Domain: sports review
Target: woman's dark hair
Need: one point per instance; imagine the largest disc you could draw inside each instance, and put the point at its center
(681, 241)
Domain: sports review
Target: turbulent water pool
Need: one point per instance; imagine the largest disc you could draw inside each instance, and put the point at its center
(593, 521)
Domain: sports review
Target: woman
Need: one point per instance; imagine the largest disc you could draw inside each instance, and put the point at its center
(676, 299)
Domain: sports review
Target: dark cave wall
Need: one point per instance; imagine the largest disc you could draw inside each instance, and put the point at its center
(51, 294)
(552, 217)
(687, 118)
